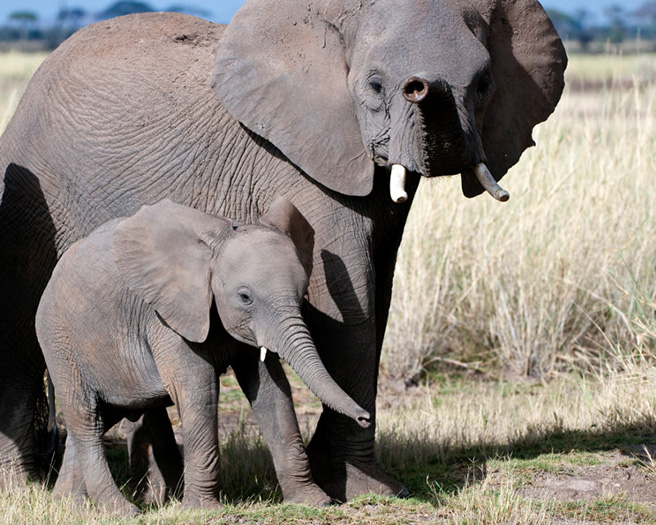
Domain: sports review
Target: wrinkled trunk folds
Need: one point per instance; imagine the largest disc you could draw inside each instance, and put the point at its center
(445, 147)
(297, 348)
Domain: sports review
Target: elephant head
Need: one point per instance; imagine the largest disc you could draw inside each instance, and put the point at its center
(436, 87)
(179, 260)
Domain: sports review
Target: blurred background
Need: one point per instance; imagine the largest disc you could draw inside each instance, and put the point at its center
(43, 24)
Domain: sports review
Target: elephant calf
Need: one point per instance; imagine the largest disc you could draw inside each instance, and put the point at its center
(126, 324)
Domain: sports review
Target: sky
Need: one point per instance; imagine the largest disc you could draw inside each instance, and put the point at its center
(222, 10)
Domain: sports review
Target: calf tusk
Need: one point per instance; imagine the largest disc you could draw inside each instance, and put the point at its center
(263, 352)
(397, 184)
(487, 181)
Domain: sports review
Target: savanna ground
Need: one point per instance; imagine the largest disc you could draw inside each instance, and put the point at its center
(518, 381)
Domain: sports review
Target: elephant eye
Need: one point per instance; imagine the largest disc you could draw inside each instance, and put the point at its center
(372, 91)
(376, 85)
(485, 88)
(245, 296)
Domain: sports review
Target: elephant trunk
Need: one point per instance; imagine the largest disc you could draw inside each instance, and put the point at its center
(444, 140)
(442, 144)
(296, 346)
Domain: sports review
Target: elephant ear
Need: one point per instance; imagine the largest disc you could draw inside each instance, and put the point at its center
(281, 71)
(284, 216)
(528, 65)
(161, 256)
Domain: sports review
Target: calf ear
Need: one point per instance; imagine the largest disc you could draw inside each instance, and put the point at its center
(162, 258)
(284, 216)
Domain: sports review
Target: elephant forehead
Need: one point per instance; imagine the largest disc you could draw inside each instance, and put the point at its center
(259, 256)
(418, 38)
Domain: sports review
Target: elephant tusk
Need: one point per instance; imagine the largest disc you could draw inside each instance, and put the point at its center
(263, 353)
(487, 181)
(397, 184)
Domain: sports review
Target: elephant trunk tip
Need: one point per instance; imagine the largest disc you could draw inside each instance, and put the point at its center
(415, 89)
(363, 418)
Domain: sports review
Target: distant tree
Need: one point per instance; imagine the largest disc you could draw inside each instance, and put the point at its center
(71, 16)
(25, 21)
(24, 17)
(646, 12)
(585, 32)
(125, 7)
(616, 17)
(566, 26)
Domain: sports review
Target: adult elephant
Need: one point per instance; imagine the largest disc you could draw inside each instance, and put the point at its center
(312, 101)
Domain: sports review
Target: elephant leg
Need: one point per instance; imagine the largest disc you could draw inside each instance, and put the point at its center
(86, 428)
(18, 401)
(27, 256)
(155, 460)
(200, 437)
(193, 386)
(23, 404)
(268, 391)
(70, 481)
(342, 453)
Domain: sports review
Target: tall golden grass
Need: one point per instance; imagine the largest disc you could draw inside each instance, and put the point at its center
(16, 69)
(564, 273)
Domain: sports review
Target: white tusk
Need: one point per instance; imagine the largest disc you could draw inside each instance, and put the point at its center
(397, 184)
(263, 352)
(487, 181)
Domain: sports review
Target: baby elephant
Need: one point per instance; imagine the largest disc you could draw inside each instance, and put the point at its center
(126, 324)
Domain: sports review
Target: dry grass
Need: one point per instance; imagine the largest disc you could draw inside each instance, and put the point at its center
(15, 71)
(466, 449)
(561, 275)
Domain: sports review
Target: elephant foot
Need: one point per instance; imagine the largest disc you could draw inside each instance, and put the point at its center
(306, 494)
(119, 507)
(372, 481)
(66, 488)
(344, 479)
(350, 481)
(193, 502)
(151, 492)
(76, 495)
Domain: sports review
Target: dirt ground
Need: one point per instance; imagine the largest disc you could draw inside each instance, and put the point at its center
(614, 476)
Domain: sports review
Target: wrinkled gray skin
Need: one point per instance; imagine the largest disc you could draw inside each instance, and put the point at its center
(313, 101)
(124, 325)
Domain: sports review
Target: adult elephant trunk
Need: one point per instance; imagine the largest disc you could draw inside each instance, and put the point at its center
(427, 134)
(441, 138)
(294, 344)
